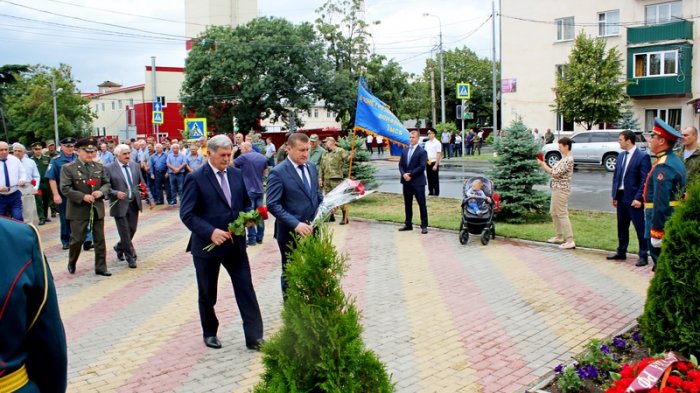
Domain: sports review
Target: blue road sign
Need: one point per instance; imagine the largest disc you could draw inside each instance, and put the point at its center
(157, 106)
(158, 118)
(464, 91)
(197, 128)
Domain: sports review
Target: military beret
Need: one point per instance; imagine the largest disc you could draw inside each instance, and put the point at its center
(69, 140)
(87, 144)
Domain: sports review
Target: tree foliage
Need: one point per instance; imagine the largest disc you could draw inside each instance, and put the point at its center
(628, 121)
(515, 174)
(463, 65)
(362, 169)
(253, 72)
(671, 318)
(319, 347)
(416, 103)
(591, 89)
(29, 105)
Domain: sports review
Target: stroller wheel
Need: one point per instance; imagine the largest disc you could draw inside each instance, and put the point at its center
(485, 237)
(493, 231)
(463, 236)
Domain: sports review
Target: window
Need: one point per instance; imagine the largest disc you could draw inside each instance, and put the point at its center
(97, 107)
(656, 14)
(561, 70)
(103, 107)
(120, 104)
(599, 137)
(316, 113)
(655, 64)
(114, 104)
(329, 114)
(131, 102)
(608, 23)
(581, 138)
(97, 130)
(565, 28)
(670, 116)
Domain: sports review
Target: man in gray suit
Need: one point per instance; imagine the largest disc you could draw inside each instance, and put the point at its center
(125, 196)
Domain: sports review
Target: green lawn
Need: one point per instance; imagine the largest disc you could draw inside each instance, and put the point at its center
(591, 229)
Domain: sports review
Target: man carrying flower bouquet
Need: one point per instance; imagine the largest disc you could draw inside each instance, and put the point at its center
(293, 196)
(214, 196)
(85, 184)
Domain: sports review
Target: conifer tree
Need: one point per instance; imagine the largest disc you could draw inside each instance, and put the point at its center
(516, 172)
(628, 121)
(671, 319)
(319, 347)
(361, 168)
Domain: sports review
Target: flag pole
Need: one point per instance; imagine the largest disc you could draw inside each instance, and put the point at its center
(346, 208)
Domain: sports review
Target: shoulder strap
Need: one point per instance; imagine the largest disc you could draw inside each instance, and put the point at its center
(46, 278)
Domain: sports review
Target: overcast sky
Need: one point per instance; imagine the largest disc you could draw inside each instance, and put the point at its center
(114, 40)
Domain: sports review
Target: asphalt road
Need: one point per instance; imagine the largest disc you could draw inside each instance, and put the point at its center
(590, 185)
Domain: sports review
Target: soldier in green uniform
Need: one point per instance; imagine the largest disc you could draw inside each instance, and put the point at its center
(85, 184)
(33, 355)
(688, 152)
(664, 186)
(316, 152)
(51, 149)
(44, 197)
(331, 170)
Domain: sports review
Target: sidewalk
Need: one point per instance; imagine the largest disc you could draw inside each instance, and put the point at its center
(443, 317)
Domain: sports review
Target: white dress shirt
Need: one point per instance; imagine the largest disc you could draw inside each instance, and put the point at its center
(16, 171)
(31, 172)
(432, 147)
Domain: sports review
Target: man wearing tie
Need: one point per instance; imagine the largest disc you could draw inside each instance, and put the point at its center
(12, 175)
(213, 196)
(627, 188)
(125, 196)
(412, 167)
(293, 196)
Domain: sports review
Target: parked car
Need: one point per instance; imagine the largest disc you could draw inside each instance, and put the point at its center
(593, 147)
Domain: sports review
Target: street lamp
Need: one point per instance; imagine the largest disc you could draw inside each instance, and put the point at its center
(442, 69)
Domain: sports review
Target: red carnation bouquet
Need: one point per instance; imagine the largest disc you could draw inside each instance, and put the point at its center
(670, 373)
(243, 221)
(92, 183)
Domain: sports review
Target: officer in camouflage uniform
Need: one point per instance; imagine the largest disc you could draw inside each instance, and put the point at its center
(33, 355)
(44, 197)
(331, 170)
(85, 209)
(664, 187)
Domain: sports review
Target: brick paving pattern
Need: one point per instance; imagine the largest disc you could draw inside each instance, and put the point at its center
(443, 317)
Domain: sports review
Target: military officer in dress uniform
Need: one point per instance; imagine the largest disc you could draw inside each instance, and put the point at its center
(85, 184)
(33, 355)
(44, 196)
(664, 186)
(331, 170)
(53, 175)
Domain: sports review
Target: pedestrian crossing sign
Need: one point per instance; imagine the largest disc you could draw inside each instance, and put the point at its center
(158, 117)
(464, 91)
(196, 128)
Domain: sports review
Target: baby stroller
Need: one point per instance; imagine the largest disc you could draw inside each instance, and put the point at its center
(477, 212)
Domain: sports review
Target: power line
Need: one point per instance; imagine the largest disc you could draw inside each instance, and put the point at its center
(128, 13)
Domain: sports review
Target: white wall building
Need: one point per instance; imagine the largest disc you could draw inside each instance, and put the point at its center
(657, 41)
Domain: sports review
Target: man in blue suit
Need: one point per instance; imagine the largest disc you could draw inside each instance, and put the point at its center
(213, 196)
(627, 187)
(412, 167)
(293, 196)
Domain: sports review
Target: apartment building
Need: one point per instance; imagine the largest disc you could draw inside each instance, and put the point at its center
(657, 40)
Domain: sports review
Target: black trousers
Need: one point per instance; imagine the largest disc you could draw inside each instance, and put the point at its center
(126, 227)
(409, 192)
(626, 214)
(433, 179)
(207, 282)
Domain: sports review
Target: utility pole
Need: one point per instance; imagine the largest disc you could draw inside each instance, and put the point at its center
(155, 97)
(432, 94)
(442, 70)
(55, 110)
(493, 69)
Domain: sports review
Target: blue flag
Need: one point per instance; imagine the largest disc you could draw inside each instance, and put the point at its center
(373, 116)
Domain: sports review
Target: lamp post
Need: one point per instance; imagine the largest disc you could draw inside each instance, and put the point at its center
(55, 110)
(442, 69)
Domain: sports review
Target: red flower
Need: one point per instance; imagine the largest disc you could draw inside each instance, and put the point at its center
(683, 366)
(675, 381)
(144, 190)
(360, 188)
(263, 212)
(540, 157)
(91, 182)
(694, 375)
(668, 390)
(33, 182)
(38, 192)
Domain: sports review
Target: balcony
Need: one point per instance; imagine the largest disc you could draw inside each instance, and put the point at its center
(681, 30)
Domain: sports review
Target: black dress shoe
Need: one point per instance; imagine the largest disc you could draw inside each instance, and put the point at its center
(212, 342)
(131, 262)
(47, 219)
(254, 344)
(424, 231)
(332, 219)
(42, 222)
(405, 228)
(71, 269)
(88, 246)
(641, 262)
(616, 257)
(65, 247)
(105, 273)
(120, 254)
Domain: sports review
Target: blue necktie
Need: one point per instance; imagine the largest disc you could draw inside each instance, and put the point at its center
(305, 179)
(410, 154)
(7, 173)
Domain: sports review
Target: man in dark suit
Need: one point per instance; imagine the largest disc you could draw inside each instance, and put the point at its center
(33, 355)
(213, 196)
(85, 186)
(412, 167)
(627, 187)
(293, 196)
(125, 178)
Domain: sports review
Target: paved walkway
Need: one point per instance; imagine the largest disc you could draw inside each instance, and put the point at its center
(443, 317)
